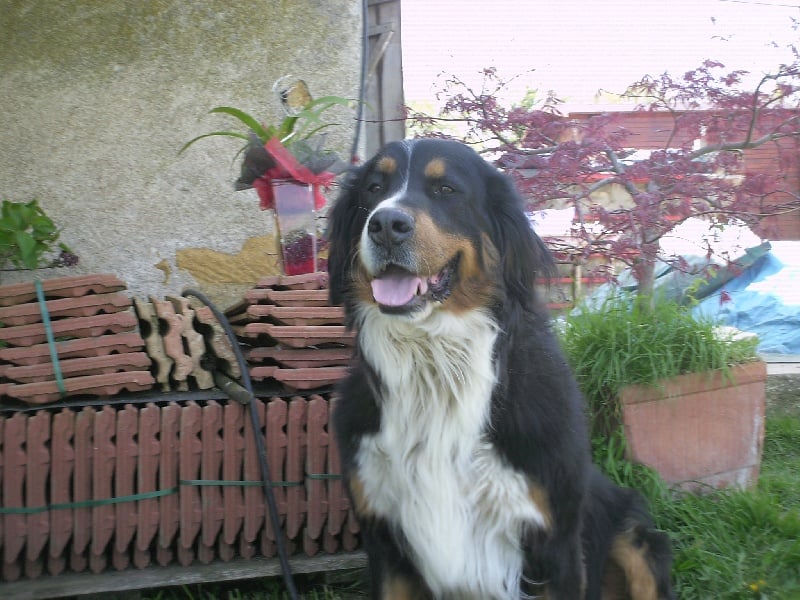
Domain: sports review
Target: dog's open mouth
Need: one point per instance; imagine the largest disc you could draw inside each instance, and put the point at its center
(399, 290)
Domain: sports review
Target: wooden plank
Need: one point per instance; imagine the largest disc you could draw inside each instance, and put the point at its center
(384, 85)
(73, 584)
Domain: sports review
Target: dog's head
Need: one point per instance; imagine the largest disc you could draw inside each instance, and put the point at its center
(429, 225)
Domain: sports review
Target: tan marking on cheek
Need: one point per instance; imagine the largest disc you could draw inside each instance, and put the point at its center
(478, 276)
(433, 248)
(435, 169)
(541, 500)
(361, 285)
(387, 165)
(491, 255)
(640, 581)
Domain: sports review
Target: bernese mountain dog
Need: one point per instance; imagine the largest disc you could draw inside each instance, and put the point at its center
(461, 428)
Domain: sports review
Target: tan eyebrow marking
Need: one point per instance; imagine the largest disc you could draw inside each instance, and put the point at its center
(387, 165)
(435, 169)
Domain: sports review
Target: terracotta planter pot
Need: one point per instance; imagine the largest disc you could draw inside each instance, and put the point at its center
(701, 429)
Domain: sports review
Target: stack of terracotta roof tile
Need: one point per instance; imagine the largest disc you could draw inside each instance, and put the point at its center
(162, 465)
(294, 336)
(94, 336)
(186, 343)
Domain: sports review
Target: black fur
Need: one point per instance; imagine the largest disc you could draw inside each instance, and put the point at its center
(536, 413)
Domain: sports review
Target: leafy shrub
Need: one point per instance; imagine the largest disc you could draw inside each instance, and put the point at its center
(628, 340)
(28, 237)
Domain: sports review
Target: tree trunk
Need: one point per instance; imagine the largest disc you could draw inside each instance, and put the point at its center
(644, 271)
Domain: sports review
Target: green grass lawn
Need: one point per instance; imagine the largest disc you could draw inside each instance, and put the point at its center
(728, 545)
(742, 544)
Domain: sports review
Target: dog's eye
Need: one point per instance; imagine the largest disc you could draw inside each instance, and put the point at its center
(374, 188)
(444, 190)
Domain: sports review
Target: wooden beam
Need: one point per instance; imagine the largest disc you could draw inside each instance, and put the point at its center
(77, 584)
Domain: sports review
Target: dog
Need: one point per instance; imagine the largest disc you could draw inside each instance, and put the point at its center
(460, 425)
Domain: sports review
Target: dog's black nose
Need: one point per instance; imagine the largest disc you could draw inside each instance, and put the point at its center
(390, 226)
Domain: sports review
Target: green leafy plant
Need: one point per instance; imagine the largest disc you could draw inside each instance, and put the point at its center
(627, 341)
(282, 151)
(28, 238)
(294, 127)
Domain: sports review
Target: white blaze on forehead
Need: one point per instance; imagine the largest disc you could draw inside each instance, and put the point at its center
(367, 251)
(367, 254)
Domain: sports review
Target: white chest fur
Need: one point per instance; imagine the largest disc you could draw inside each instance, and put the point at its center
(430, 471)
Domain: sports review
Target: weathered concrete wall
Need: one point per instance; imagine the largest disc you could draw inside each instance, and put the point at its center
(98, 97)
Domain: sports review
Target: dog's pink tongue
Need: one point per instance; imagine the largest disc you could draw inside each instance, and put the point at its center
(395, 290)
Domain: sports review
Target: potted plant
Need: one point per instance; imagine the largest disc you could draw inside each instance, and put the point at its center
(288, 166)
(29, 238)
(685, 396)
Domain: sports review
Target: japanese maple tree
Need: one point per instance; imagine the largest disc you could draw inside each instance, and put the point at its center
(698, 172)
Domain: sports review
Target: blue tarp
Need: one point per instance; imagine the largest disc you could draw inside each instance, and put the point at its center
(760, 295)
(763, 299)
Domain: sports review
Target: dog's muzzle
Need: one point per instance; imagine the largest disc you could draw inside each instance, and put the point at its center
(399, 284)
(390, 228)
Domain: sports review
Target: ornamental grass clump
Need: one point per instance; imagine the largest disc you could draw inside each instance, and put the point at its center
(628, 340)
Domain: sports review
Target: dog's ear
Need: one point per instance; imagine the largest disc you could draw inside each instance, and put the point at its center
(345, 221)
(524, 255)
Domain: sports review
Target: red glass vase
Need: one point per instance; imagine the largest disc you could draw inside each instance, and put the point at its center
(296, 219)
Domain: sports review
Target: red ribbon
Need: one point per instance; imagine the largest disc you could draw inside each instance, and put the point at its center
(288, 167)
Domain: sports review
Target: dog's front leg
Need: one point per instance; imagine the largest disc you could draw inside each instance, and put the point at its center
(400, 586)
(392, 575)
(554, 567)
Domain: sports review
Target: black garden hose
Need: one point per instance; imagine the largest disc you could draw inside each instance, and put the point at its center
(251, 400)
(247, 384)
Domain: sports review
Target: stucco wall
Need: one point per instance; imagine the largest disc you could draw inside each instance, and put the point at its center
(98, 97)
